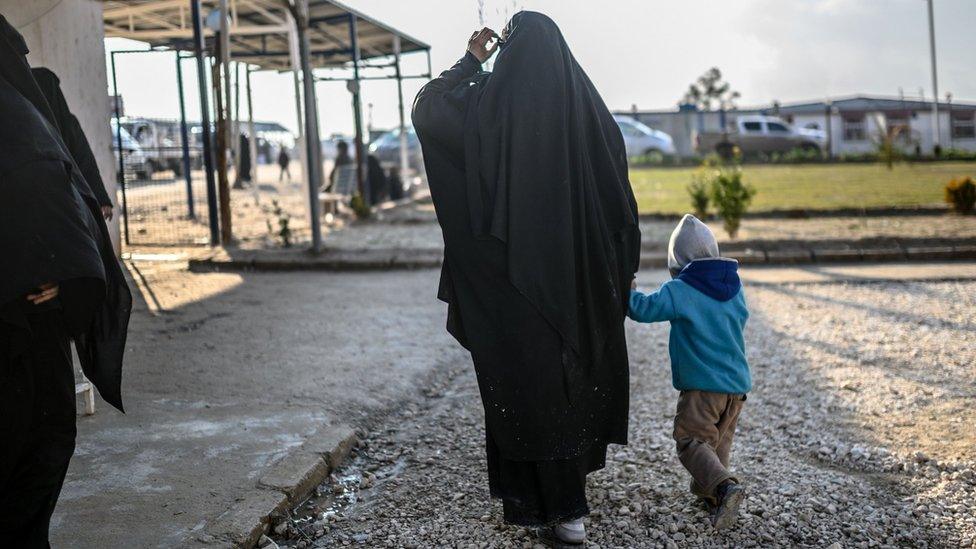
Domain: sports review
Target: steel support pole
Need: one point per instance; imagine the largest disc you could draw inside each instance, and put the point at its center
(936, 126)
(313, 146)
(223, 125)
(235, 128)
(404, 162)
(118, 144)
(357, 106)
(252, 142)
(185, 140)
(198, 47)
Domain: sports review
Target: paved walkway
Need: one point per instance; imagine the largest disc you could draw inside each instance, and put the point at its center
(230, 373)
(227, 372)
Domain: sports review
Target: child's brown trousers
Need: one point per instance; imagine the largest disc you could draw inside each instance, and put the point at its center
(703, 429)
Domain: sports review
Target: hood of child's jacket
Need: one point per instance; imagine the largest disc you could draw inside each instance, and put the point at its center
(716, 278)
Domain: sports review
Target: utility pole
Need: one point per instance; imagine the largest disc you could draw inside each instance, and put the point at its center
(936, 146)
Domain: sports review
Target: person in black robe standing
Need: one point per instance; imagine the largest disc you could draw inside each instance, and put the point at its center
(528, 175)
(74, 137)
(244, 168)
(59, 282)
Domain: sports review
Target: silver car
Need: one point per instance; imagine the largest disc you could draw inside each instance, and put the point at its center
(641, 140)
(386, 148)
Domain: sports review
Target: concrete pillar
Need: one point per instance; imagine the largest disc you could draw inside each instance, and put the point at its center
(67, 37)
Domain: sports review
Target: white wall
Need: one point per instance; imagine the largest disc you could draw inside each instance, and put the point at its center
(67, 37)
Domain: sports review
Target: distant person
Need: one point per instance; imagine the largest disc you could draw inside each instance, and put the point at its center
(376, 180)
(74, 137)
(395, 184)
(342, 159)
(59, 282)
(528, 174)
(284, 160)
(707, 310)
(244, 168)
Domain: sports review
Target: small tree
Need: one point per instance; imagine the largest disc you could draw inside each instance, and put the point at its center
(284, 220)
(698, 190)
(886, 141)
(731, 197)
(709, 89)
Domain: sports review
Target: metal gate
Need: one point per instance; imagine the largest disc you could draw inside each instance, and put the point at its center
(160, 168)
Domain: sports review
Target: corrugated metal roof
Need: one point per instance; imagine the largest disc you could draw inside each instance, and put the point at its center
(864, 103)
(259, 30)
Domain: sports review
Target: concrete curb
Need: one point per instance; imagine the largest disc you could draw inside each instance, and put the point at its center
(284, 485)
(816, 253)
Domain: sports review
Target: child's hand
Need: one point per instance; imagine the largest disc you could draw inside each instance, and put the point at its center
(633, 284)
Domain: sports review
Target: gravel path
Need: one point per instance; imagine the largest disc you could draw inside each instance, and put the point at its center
(860, 433)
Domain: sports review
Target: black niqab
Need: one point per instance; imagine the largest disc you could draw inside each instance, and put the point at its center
(51, 229)
(528, 175)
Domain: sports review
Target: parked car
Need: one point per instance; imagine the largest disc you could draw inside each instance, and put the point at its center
(387, 149)
(330, 147)
(760, 134)
(137, 166)
(160, 142)
(641, 140)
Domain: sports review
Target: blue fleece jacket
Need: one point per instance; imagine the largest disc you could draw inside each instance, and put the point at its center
(708, 313)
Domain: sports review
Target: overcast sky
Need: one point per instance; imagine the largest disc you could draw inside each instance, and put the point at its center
(645, 52)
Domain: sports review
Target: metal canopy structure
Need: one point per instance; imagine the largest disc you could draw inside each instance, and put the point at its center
(260, 30)
(295, 35)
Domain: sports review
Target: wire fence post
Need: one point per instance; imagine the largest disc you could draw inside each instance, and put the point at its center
(198, 46)
(118, 144)
(185, 139)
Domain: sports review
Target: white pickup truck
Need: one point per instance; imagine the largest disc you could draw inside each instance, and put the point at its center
(761, 134)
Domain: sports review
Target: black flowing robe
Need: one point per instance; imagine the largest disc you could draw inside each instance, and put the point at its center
(51, 228)
(528, 176)
(71, 132)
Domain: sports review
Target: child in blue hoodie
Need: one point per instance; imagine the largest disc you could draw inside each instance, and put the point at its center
(707, 311)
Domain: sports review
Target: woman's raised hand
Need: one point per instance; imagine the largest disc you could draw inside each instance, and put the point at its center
(478, 44)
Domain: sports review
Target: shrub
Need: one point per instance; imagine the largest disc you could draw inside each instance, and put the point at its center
(698, 190)
(731, 197)
(800, 155)
(284, 219)
(360, 207)
(957, 154)
(961, 194)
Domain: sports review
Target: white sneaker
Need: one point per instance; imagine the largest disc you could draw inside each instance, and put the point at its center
(572, 532)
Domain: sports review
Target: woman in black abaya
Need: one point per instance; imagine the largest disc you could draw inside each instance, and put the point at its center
(59, 282)
(528, 175)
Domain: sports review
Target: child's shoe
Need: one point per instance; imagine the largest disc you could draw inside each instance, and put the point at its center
(572, 532)
(729, 495)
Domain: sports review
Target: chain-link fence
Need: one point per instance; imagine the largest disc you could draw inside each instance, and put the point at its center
(160, 204)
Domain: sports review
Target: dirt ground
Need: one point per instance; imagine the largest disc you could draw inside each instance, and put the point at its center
(858, 433)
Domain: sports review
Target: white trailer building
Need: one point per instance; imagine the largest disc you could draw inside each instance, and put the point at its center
(852, 123)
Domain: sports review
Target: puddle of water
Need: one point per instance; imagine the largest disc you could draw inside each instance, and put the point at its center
(347, 489)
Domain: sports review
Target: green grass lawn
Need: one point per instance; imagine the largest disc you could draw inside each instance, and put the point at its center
(811, 186)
